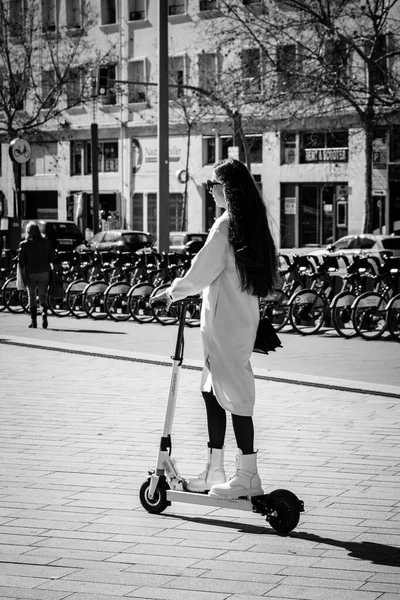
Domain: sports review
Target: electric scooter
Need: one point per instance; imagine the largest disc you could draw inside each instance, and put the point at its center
(165, 484)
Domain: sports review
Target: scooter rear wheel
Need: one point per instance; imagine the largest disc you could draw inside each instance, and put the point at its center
(283, 513)
(159, 502)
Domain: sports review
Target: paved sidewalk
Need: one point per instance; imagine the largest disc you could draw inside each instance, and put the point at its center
(78, 434)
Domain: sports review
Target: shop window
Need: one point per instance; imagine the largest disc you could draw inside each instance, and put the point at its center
(320, 146)
(251, 70)
(209, 150)
(137, 207)
(258, 180)
(395, 145)
(74, 14)
(255, 145)
(137, 73)
(108, 12)
(107, 76)
(137, 10)
(107, 157)
(152, 214)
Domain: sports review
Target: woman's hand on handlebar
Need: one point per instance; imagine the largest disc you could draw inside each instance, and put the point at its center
(161, 300)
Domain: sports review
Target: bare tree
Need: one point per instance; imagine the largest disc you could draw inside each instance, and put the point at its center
(45, 66)
(330, 59)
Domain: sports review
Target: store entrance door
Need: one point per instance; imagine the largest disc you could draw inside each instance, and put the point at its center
(316, 215)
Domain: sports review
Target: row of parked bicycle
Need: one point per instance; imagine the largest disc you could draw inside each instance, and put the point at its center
(355, 295)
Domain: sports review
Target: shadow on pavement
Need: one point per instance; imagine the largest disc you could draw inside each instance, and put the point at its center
(379, 554)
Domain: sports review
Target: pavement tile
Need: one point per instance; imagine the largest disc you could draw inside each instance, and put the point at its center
(74, 462)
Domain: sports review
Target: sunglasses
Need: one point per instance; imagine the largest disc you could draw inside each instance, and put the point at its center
(210, 185)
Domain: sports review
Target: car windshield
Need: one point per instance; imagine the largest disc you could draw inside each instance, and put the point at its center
(136, 238)
(391, 243)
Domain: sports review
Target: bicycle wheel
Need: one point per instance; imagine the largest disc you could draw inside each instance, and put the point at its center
(74, 296)
(341, 312)
(58, 305)
(164, 315)
(275, 306)
(369, 315)
(2, 305)
(307, 312)
(93, 300)
(138, 302)
(116, 301)
(12, 296)
(393, 317)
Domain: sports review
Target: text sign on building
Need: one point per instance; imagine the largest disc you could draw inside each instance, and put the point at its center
(326, 155)
(290, 206)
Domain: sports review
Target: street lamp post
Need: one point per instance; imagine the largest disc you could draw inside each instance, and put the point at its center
(163, 219)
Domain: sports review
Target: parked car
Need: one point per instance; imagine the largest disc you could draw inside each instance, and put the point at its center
(125, 240)
(182, 242)
(366, 243)
(63, 235)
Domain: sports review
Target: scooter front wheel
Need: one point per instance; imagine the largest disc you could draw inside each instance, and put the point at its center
(159, 502)
(283, 512)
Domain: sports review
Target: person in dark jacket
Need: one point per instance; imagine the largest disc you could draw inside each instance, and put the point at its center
(35, 258)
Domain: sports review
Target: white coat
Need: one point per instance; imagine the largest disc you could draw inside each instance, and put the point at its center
(229, 320)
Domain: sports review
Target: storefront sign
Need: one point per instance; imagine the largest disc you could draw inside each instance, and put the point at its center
(290, 206)
(326, 155)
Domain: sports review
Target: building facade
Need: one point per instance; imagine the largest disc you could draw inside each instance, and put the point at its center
(312, 177)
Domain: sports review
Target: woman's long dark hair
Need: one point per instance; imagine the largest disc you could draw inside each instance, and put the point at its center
(249, 232)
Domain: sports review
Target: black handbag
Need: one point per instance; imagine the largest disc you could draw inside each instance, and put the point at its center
(266, 338)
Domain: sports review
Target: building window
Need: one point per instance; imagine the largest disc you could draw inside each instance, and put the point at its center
(226, 142)
(258, 180)
(336, 59)
(74, 14)
(255, 145)
(176, 7)
(74, 87)
(176, 212)
(378, 62)
(77, 158)
(152, 214)
(107, 157)
(137, 208)
(320, 146)
(44, 160)
(49, 16)
(209, 150)
(286, 66)
(137, 73)
(137, 10)
(106, 84)
(251, 70)
(108, 12)
(288, 148)
(48, 89)
(205, 5)
(177, 76)
(208, 71)
(17, 17)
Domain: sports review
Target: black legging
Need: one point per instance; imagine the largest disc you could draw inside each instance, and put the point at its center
(216, 420)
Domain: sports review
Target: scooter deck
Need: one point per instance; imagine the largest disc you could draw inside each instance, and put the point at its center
(205, 500)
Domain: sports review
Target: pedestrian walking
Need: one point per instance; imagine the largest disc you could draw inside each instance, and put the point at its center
(36, 256)
(237, 264)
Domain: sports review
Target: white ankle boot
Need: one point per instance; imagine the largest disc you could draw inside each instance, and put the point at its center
(213, 473)
(246, 481)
